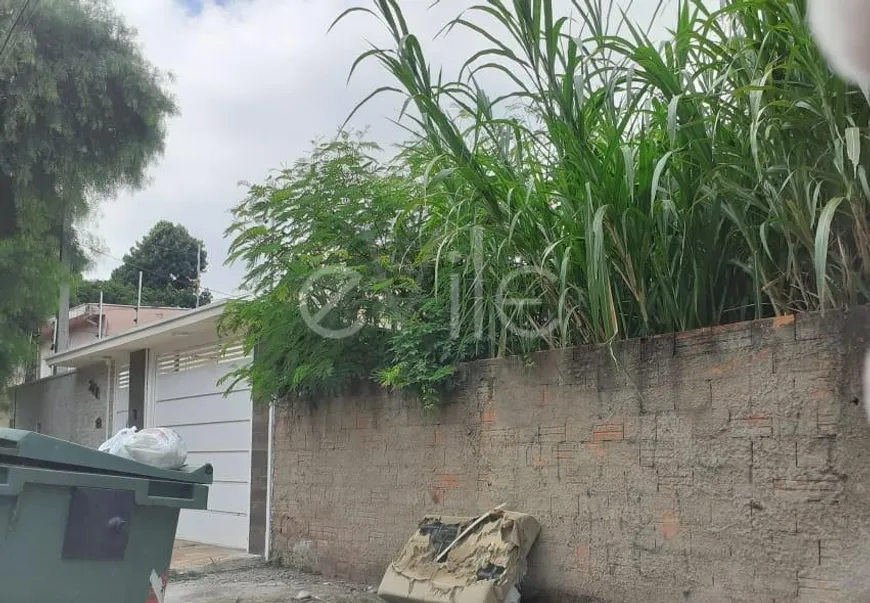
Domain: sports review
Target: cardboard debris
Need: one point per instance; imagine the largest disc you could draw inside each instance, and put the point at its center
(484, 566)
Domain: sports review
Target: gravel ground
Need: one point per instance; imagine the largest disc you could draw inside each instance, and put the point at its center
(266, 585)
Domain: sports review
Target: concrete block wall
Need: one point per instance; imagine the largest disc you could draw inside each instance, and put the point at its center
(727, 464)
(65, 407)
(6, 409)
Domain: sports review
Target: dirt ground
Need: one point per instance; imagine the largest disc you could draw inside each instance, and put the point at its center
(266, 585)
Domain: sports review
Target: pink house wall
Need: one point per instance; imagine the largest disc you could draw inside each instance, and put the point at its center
(84, 329)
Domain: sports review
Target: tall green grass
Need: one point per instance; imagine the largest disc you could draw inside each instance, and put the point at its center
(621, 187)
(643, 187)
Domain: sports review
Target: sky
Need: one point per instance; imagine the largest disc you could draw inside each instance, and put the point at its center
(256, 82)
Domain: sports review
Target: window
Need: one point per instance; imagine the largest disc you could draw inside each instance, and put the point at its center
(193, 358)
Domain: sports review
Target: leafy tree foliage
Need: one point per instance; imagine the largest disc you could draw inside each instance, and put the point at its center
(167, 259)
(83, 111)
(331, 209)
(330, 254)
(167, 255)
(82, 114)
(341, 265)
(27, 295)
(88, 292)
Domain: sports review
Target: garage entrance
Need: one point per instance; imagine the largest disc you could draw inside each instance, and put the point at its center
(216, 429)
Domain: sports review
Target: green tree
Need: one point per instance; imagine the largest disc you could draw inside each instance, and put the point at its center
(318, 235)
(114, 292)
(343, 279)
(167, 256)
(82, 113)
(88, 292)
(167, 259)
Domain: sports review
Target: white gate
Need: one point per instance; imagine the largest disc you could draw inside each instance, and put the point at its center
(216, 429)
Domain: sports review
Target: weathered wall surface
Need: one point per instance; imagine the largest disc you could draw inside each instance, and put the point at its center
(5, 413)
(64, 407)
(720, 465)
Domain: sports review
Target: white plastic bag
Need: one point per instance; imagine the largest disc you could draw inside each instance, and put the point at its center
(113, 445)
(159, 446)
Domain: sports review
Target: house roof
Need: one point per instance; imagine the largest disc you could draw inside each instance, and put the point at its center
(193, 327)
(89, 313)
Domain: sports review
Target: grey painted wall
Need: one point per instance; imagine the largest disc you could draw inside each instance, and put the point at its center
(6, 409)
(65, 406)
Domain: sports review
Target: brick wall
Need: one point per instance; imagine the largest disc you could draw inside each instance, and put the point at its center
(64, 407)
(728, 464)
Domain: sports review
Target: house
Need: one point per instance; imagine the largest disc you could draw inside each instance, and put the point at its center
(85, 326)
(166, 374)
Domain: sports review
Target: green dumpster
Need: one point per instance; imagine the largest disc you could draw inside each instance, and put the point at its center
(81, 526)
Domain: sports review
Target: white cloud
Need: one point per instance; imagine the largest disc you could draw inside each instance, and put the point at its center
(256, 82)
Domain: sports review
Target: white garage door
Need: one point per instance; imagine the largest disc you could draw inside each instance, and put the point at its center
(217, 430)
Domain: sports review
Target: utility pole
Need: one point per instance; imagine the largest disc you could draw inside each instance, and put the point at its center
(139, 299)
(61, 328)
(198, 271)
(100, 321)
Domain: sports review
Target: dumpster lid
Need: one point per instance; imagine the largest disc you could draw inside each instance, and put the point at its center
(20, 447)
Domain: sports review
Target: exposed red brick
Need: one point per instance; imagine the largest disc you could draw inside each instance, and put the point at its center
(783, 321)
(669, 525)
(821, 393)
(762, 355)
(565, 451)
(720, 369)
(445, 479)
(608, 432)
(488, 416)
(582, 553)
(363, 422)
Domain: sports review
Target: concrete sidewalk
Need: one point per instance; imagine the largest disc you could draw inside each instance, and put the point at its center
(202, 573)
(266, 585)
(191, 558)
